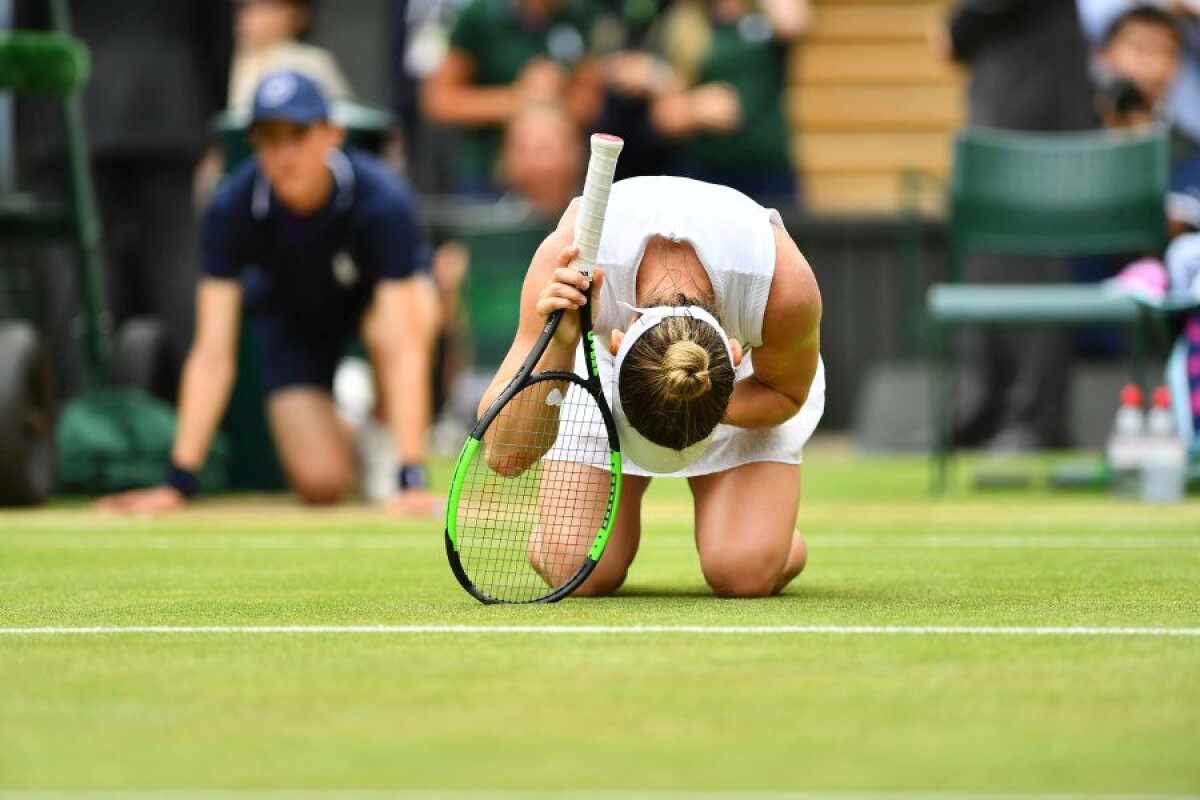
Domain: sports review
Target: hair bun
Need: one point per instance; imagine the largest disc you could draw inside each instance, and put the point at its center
(686, 371)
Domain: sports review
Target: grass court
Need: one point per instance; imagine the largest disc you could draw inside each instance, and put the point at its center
(955, 646)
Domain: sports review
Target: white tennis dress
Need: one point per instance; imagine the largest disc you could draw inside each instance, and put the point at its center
(732, 237)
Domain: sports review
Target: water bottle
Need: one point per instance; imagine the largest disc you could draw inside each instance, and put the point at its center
(1127, 444)
(1164, 468)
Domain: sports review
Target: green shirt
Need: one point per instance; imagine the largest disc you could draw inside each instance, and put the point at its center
(746, 56)
(501, 43)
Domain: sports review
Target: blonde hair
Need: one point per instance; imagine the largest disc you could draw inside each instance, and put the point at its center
(676, 381)
(685, 371)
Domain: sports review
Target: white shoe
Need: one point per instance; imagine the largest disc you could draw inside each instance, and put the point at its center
(354, 391)
(354, 395)
(377, 462)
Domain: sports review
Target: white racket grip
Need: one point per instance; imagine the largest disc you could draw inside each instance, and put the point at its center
(590, 221)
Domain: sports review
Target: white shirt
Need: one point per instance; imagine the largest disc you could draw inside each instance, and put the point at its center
(730, 233)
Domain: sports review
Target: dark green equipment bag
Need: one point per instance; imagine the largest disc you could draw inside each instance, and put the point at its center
(110, 440)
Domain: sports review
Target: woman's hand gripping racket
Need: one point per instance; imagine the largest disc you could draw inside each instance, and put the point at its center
(535, 490)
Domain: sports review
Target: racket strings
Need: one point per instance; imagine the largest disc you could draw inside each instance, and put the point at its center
(536, 493)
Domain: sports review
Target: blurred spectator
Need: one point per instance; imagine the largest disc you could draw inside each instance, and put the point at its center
(1181, 104)
(727, 109)
(1028, 64)
(268, 38)
(323, 246)
(1144, 44)
(418, 39)
(159, 73)
(542, 160)
(502, 56)
(635, 74)
(1138, 65)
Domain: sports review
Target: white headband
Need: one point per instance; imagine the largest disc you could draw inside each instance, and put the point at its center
(641, 451)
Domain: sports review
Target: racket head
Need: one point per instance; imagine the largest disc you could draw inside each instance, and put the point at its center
(524, 530)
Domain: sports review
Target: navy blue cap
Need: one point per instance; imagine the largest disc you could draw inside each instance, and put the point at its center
(289, 97)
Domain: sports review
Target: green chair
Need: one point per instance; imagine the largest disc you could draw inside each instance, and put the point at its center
(1067, 194)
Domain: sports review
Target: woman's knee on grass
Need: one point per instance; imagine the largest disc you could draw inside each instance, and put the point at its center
(743, 572)
(556, 554)
(797, 558)
(557, 557)
(604, 580)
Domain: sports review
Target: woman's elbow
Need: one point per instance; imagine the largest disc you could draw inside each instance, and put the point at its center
(509, 463)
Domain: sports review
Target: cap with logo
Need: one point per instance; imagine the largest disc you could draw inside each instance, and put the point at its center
(289, 97)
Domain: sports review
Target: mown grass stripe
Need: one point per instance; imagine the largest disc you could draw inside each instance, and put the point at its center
(604, 630)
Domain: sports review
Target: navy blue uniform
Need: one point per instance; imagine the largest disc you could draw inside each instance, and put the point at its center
(309, 279)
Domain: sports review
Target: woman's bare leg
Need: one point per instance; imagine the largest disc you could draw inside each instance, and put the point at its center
(746, 528)
(558, 545)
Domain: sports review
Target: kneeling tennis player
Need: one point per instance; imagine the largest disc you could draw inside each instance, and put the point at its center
(708, 318)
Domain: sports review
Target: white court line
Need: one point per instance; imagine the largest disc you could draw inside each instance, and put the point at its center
(601, 630)
(1005, 542)
(852, 541)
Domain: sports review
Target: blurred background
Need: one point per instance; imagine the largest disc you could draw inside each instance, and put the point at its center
(841, 113)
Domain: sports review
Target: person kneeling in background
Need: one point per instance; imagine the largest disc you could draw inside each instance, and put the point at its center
(333, 241)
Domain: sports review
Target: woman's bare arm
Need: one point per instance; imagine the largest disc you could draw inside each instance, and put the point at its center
(551, 284)
(786, 362)
(561, 352)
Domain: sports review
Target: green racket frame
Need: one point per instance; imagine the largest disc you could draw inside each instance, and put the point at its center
(524, 378)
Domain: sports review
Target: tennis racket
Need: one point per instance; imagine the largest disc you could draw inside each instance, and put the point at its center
(536, 486)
